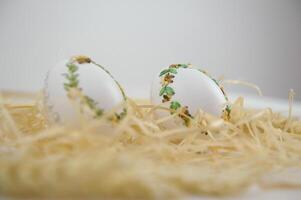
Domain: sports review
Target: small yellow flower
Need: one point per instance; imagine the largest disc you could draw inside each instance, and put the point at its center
(81, 59)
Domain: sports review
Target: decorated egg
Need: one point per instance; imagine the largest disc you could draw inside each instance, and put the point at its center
(181, 86)
(79, 86)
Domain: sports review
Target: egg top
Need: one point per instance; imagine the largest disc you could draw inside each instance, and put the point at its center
(191, 89)
(95, 86)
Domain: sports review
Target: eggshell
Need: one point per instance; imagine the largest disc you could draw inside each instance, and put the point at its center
(192, 88)
(95, 83)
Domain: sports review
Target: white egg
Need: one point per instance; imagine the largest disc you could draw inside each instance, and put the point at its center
(182, 86)
(98, 89)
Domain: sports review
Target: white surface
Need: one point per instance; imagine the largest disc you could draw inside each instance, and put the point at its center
(254, 40)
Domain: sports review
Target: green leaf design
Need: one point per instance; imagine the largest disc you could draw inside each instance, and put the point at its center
(162, 91)
(98, 112)
(228, 109)
(174, 105)
(66, 86)
(173, 70)
(165, 71)
(73, 82)
(93, 106)
(169, 90)
(183, 65)
(72, 67)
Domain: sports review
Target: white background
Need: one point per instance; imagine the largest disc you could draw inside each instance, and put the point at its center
(256, 40)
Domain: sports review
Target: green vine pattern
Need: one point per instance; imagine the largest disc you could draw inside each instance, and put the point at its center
(72, 78)
(167, 92)
(73, 83)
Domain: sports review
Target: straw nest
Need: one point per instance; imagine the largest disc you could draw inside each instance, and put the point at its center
(137, 158)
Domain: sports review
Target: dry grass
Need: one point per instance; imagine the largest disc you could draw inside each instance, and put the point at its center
(136, 158)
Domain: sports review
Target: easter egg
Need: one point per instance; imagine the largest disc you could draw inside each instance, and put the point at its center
(78, 86)
(182, 86)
